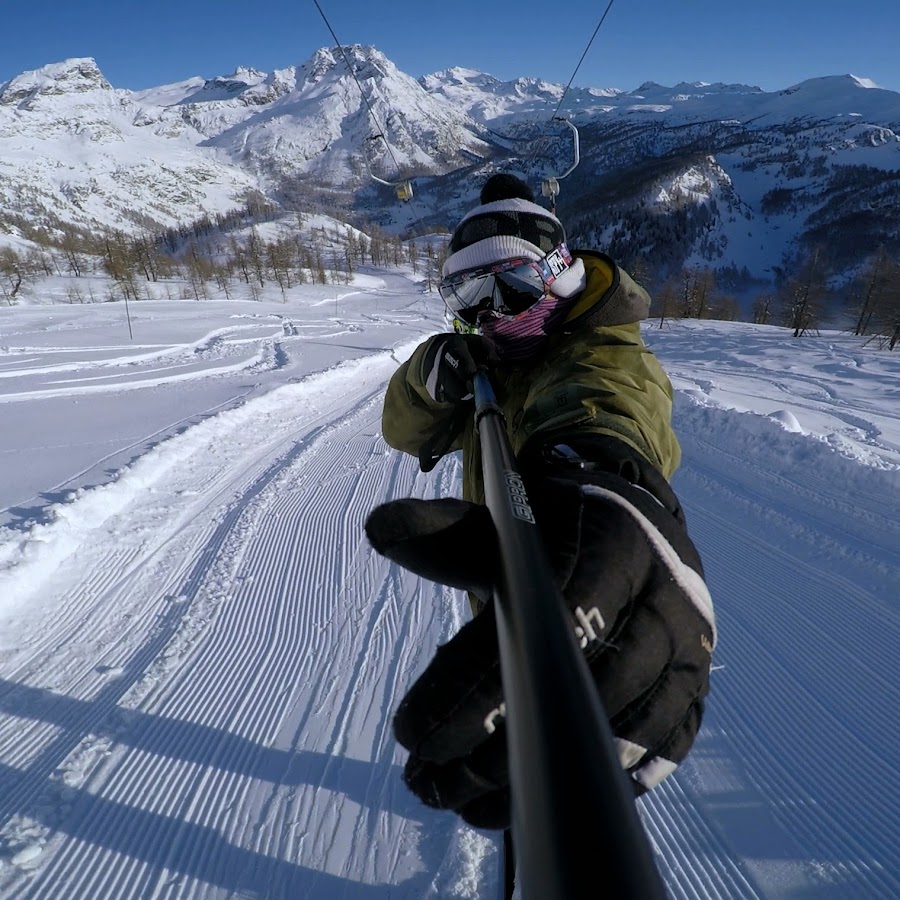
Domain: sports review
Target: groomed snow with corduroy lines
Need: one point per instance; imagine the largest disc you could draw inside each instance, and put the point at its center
(200, 654)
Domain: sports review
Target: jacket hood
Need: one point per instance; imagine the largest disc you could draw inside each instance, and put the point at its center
(610, 297)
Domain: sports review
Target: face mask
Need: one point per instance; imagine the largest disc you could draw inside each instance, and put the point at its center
(520, 337)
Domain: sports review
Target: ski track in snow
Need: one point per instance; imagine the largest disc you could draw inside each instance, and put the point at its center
(208, 596)
(803, 572)
(198, 573)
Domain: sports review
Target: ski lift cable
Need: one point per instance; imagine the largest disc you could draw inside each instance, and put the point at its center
(380, 130)
(403, 187)
(550, 186)
(580, 61)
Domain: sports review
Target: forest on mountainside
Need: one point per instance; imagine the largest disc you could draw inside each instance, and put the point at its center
(209, 256)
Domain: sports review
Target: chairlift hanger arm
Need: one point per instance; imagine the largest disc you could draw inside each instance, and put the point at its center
(550, 186)
(576, 146)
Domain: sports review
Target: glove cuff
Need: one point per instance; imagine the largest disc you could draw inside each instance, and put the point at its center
(583, 455)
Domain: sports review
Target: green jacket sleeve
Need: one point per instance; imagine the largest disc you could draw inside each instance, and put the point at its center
(410, 417)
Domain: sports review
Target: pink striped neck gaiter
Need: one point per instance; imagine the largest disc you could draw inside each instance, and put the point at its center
(522, 336)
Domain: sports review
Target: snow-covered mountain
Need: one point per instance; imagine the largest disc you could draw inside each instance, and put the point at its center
(707, 174)
(73, 147)
(320, 119)
(730, 175)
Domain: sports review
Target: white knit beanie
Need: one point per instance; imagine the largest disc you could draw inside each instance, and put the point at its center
(511, 226)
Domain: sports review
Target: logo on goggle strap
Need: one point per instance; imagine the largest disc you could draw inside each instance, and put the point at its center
(556, 262)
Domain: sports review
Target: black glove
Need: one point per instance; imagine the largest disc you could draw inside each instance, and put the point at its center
(633, 584)
(450, 364)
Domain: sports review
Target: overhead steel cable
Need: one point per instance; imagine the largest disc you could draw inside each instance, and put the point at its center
(580, 61)
(362, 93)
(550, 186)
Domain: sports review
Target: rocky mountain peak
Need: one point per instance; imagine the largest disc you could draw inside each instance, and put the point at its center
(703, 172)
(71, 76)
(367, 62)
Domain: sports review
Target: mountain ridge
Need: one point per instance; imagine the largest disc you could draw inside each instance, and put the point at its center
(698, 173)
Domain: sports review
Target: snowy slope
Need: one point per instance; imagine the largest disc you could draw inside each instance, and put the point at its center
(200, 655)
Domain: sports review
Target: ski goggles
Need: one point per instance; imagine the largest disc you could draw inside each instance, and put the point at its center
(507, 288)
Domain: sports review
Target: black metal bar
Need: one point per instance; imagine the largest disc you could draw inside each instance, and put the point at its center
(507, 867)
(577, 833)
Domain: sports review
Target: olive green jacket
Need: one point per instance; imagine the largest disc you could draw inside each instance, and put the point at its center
(595, 375)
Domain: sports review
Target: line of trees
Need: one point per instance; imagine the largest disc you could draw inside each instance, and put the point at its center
(217, 252)
(800, 300)
(224, 250)
(875, 300)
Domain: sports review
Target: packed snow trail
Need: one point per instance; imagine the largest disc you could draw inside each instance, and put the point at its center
(787, 784)
(201, 656)
(805, 575)
(218, 587)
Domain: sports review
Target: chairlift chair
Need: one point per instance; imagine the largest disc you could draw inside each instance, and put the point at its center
(402, 188)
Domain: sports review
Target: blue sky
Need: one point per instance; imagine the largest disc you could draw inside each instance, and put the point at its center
(768, 43)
